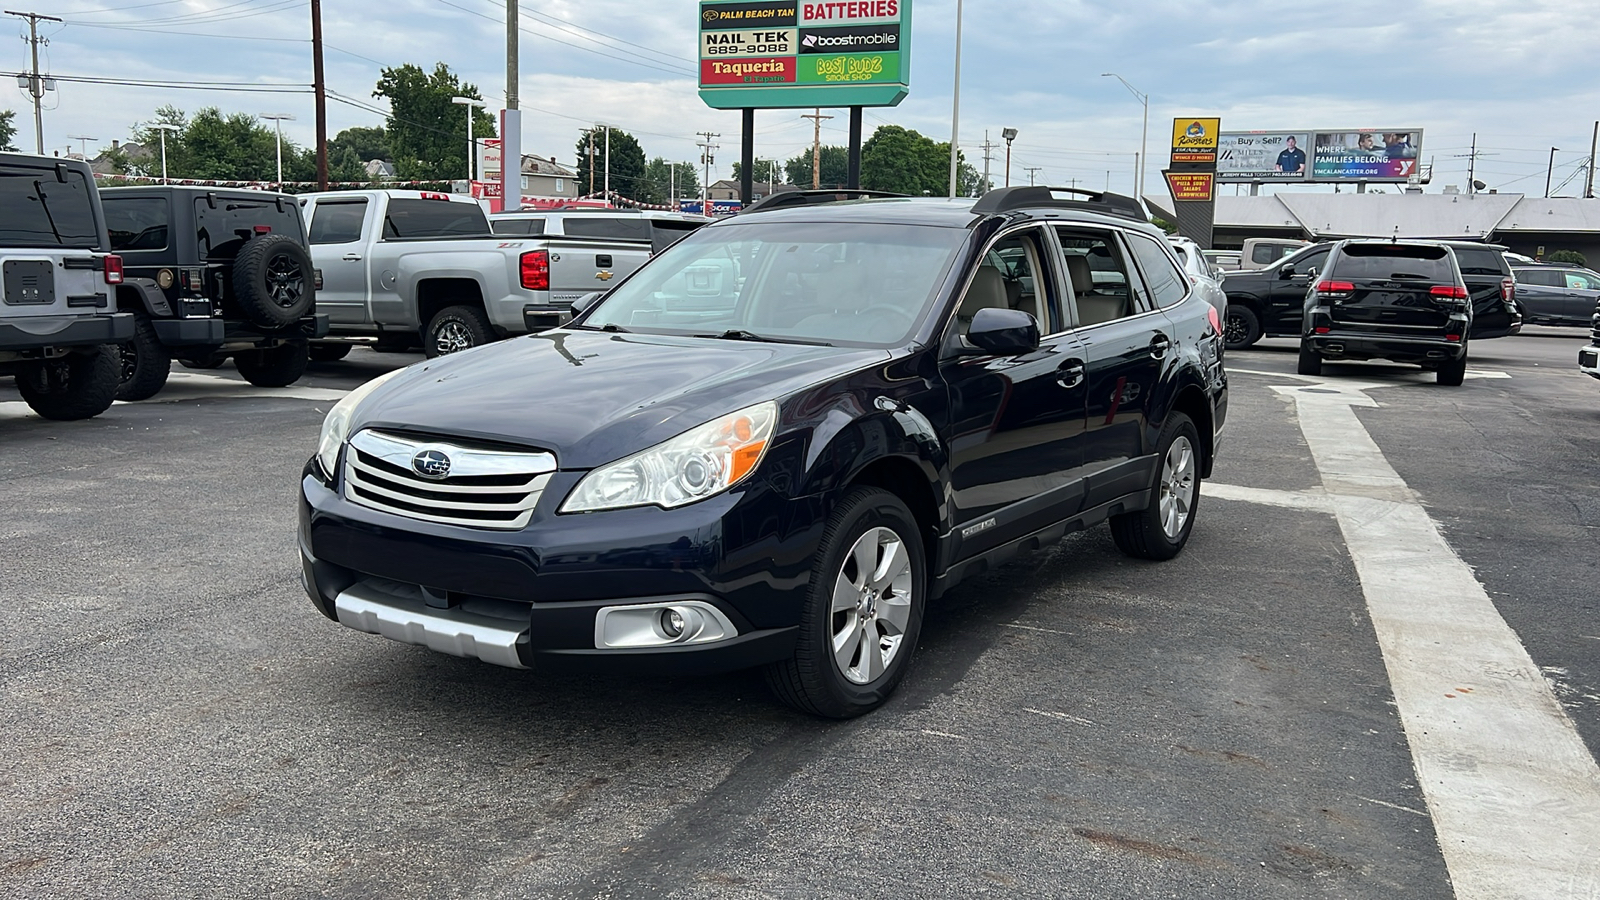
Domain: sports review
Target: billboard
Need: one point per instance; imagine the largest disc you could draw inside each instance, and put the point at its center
(790, 55)
(1367, 155)
(1253, 156)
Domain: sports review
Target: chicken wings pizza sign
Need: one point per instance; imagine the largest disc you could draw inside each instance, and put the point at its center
(766, 55)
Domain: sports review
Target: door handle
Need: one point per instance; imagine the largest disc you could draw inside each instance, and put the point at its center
(351, 257)
(1159, 345)
(1070, 373)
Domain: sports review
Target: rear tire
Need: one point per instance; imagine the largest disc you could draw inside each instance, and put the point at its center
(456, 328)
(329, 352)
(279, 366)
(145, 362)
(1241, 328)
(1452, 373)
(80, 385)
(868, 589)
(1310, 363)
(1161, 530)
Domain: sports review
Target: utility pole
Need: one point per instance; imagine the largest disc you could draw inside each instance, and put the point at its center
(816, 148)
(511, 122)
(1594, 144)
(1550, 171)
(1472, 165)
(36, 83)
(955, 111)
(987, 156)
(320, 90)
(1031, 170)
(707, 157)
(591, 162)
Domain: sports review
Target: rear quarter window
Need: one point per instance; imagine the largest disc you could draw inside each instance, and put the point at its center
(1481, 262)
(137, 223)
(1395, 261)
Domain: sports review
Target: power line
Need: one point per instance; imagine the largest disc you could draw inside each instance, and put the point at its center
(234, 86)
(560, 24)
(501, 22)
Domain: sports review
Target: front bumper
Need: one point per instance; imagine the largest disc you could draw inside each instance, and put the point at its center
(1589, 361)
(1395, 347)
(42, 332)
(532, 598)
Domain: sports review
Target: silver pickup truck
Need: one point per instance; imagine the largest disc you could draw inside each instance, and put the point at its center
(59, 324)
(404, 267)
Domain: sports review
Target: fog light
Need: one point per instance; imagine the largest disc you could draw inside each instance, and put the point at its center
(672, 623)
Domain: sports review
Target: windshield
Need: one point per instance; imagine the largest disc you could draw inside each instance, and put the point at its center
(854, 284)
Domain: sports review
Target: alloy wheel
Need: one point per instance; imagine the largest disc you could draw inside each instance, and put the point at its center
(1234, 330)
(871, 608)
(1177, 487)
(452, 337)
(284, 283)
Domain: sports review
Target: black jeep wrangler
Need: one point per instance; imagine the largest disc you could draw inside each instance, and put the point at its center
(212, 274)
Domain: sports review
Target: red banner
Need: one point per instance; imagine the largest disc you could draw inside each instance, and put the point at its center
(752, 70)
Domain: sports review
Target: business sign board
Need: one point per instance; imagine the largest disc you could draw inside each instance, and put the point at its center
(1195, 140)
(1197, 187)
(1257, 156)
(764, 55)
(489, 159)
(1381, 155)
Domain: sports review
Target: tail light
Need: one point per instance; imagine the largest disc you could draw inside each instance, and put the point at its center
(1335, 287)
(1322, 329)
(536, 270)
(1453, 292)
(261, 229)
(1508, 290)
(1453, 338)
(316, 279)
(1216, 320)
(113, 269)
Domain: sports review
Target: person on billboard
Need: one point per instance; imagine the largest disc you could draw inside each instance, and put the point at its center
(1292, 161)
(1398, 146)
(1367, 146)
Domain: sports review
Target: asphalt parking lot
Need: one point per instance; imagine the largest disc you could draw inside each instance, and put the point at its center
(1245, 721)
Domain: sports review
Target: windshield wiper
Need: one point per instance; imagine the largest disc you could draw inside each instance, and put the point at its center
(614, 328)
(740, 334)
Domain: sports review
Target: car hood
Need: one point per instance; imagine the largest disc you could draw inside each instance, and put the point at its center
(591, 397)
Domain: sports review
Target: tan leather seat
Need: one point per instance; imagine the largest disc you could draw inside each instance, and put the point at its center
(1093, 308)
(987, 291)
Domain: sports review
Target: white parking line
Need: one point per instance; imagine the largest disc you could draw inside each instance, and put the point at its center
(1513, 791)
(184, 386)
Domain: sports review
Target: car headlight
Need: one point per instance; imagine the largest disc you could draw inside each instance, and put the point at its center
(336, 427)
(695, 465)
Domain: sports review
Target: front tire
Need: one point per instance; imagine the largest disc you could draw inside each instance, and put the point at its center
(145, 362)
(456, 328)
(863, 610)
(1241, 328)
(77, 386)
(279, 366)
(1310, 363)
(1161, 530)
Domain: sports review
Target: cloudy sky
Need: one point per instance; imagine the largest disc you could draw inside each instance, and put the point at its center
(1519, 75)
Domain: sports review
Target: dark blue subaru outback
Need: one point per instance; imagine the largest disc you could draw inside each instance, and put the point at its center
(776, 442)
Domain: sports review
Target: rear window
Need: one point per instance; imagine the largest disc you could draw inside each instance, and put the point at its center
(136, 223)
(223, 224)
(1485, 261)
(517, 226)
(338, 222)
(38, 209)
(433, 218)
(1392, 261)
(607, 227)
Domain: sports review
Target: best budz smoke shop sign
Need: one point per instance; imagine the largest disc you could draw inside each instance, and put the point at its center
(767, 55)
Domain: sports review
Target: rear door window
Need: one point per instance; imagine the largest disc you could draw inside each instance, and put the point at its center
(1484, 261)
(1167, 285)
(433, 218)
(136, 223)
(1582, 281)
(1391, 262)
(41, 210)
(338, 222)
(608, 227)
(1102, 283)
(223, 224)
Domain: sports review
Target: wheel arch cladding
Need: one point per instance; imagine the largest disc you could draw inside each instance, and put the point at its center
(905, 479)
(1191, 401)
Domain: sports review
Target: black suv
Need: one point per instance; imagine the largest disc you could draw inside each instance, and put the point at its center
(212, 274)
(1400, 301)
(776, 441)
(1270, 302)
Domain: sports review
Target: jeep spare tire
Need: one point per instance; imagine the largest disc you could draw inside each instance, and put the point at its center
(273, 280)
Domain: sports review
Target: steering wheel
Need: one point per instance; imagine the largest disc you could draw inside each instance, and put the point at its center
(887, 315)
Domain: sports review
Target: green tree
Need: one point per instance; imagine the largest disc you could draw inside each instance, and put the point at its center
(659, 174)
(628, 176)
(366, 143)
(766, 171)
(427, 133)
(1571, 257)
(907, 162)
(8, 129)
(835, 168)
(216, 146)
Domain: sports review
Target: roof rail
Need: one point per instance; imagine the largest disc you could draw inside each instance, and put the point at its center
(1041, 196)
(793, 199)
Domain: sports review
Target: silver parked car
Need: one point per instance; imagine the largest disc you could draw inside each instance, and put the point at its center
(1207, 279)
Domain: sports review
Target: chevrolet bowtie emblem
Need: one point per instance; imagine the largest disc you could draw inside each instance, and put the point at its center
(604, 276)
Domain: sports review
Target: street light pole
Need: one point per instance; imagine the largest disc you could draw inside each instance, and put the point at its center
(1144, 137)
(1010, 134)
(955, 109)
(162, 130)
(472, 146)
(83, 143)
(278, 119)
(1550, 171)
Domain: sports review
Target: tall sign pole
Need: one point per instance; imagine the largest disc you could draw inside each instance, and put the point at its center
(955, 111)
(511, 123)
(1192, 177)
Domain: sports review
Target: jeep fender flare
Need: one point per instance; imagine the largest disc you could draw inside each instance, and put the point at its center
(148, 297)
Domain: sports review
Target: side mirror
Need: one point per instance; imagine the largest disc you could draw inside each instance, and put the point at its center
(1312, 272)
(1286, 272)
(587, 300)
(1004, 332)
